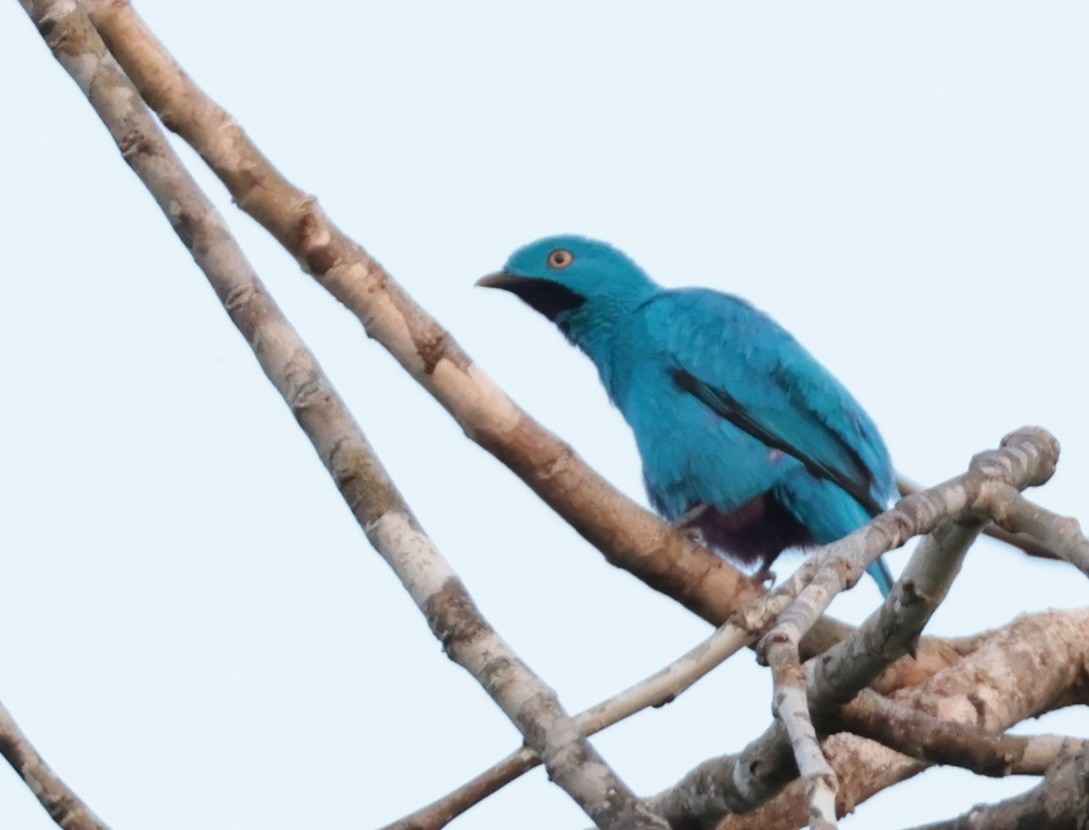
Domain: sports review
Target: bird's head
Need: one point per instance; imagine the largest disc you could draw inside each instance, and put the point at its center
(580, 284)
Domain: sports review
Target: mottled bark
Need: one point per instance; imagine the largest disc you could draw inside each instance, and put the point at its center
(963, 695)
(63, 805)
(366, 487)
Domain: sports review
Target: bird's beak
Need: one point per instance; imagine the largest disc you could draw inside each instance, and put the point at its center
(548, 297)
(500, 279)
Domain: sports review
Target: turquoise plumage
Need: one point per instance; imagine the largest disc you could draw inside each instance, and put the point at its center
(744, 436)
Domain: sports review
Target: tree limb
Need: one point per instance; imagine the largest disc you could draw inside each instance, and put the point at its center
(660, 688)
(1059, 802)
(1021, 541)
(1061, 534)
(791, 706)
(366, 487)
(917, 734)
(63, 805)
(630, 536)
(1035, 664)
(739, 783)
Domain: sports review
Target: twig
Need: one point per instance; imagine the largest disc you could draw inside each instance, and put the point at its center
(63, 805)
(800, 694)
(739, 783)
(1021, 541)
(293, 370)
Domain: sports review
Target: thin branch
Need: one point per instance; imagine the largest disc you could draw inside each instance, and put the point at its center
(291, 367)
(791, 707)
(660, 688)
(739, 783)
(883, 638)
(1061, 534)
(1022, 541)
(63, 805)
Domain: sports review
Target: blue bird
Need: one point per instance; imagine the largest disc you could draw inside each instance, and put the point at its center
(744, 436)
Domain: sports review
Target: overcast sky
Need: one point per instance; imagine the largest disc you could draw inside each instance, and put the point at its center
(194, 632)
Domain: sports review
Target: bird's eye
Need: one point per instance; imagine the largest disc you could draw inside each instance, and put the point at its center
(560, 259)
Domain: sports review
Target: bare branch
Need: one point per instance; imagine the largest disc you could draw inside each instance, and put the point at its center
(916, 733)
(368, 490)
(1026, 458)
(738, 783)
(660, 688)
(1059, 802)
(791, 706)
(1061, 534)
(63, 805)
(1037, 663)
(1021, 541)
(630, 536)
(891, 631)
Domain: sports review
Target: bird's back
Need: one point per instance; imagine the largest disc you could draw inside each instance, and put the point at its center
(693, 455)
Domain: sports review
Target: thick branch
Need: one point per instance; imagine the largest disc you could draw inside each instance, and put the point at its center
(738, 783)
(1035, 664)
(630, 537)
(1059, 802)
(913, 732)
(364, 484)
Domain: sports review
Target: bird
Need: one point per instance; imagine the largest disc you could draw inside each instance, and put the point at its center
(746, 440)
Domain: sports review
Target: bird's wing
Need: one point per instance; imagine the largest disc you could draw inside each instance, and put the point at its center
(751, 372)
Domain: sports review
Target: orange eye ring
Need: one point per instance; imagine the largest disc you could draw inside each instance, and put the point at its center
(560, 258)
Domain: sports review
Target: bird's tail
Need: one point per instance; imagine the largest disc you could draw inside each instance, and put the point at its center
(881, 575)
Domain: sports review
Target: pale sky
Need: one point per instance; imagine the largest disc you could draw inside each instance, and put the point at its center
(194, 632)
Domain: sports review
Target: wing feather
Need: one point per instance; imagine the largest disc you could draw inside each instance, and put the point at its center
(750, 371)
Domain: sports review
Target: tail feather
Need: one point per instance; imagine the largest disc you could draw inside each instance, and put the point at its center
(881, 575)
